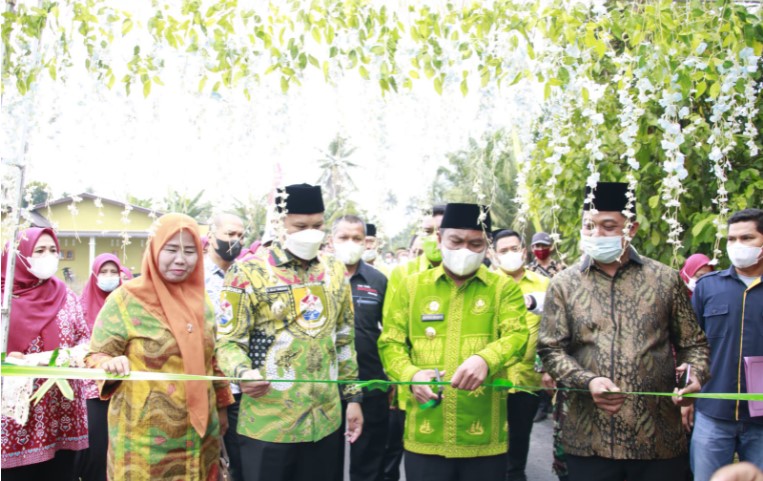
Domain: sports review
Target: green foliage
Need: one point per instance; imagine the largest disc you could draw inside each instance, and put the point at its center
(192, 206)
(36, 193)
(574, 51)
(490, 164)
(253, 212)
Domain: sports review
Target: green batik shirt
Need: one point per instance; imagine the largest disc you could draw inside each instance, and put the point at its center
(289, 323)
(396, 279)
(435, 324)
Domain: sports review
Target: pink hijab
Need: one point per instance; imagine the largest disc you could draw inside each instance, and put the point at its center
(694, 263)
(93, 297)
(35, 303)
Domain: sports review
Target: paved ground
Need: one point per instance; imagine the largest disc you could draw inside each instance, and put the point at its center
(538, 461)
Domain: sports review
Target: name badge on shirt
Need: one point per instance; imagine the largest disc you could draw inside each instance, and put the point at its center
(432, 317)
(277, 289)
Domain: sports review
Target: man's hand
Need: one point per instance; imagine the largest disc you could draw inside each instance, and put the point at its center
(255, 388)
(470, 374)
(222, 414)
(423, 392)
(692, 387)
(354, 422)
(548, 382)
(119, 365)
(605, 395)
(687, 417)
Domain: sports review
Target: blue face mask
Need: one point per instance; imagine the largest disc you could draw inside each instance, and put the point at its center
(603, 249)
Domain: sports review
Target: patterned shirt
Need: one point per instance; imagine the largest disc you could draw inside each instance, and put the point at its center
(624, 328)
(553, 269)
(213, 282)
(55, 423)
(289, 323)
(436, 324)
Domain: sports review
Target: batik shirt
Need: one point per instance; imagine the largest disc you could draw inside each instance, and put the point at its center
(289, 323)
(435, 324)
(624, 328)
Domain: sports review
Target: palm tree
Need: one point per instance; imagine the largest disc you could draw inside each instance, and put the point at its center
(335, 178)
(191, 206)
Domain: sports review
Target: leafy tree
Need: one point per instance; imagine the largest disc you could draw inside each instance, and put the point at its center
(36, 193)
(192, 206)
(490, 165)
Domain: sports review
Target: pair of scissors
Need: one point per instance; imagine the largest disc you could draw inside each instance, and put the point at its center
(440, 387)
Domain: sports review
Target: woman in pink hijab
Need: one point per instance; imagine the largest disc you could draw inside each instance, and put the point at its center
(39, 441)
(696, 266)
(105, 278)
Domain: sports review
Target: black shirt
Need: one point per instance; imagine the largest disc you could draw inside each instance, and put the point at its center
(368, 289)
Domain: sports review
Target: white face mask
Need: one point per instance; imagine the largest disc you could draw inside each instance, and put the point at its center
(743, 256)
(369, 255)
(603, 249)
(348, 252)
(43, 267)
(305, 244)
(692, 284)
(511, 261)
(107, 283)
(462, 262)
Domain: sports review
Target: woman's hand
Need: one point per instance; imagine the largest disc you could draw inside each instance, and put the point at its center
(119, 366)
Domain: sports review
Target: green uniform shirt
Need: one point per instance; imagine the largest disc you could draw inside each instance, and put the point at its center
(523, 373)
(290, 323)
(396, 279)
(435, 324)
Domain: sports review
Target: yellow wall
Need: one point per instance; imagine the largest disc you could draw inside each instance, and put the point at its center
(88, 218)
(107, 230)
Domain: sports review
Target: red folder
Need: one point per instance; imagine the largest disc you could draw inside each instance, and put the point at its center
(753, 371)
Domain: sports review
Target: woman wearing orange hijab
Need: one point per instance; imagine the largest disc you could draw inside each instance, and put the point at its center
(162, 322)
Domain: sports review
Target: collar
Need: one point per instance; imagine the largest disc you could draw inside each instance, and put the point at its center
(361, 271)
(481, 274)
(279, 256)
(633, 256)
(210, 266)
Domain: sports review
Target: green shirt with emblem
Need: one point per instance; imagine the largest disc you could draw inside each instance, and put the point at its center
(289, 322)
(523, 373)
(434, 324)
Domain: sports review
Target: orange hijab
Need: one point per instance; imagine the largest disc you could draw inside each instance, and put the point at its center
(180, 306)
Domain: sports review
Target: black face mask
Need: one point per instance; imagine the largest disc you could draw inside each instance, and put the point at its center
(228, 250)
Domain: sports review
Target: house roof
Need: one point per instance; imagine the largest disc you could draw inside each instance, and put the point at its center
(86, 196)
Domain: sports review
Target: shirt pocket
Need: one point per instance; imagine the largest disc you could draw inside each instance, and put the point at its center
(367, 311)
(716, 320)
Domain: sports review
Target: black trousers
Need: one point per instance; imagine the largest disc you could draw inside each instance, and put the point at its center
(231, 440)
(367, 453)
(265, 461)
(61, 467)
(522, 407)
(393, 451)
(422, 467)
(595, 468)
(91, 462)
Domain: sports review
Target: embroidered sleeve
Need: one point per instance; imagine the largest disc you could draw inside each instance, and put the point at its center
(554, 337)
(394, 348)
(345, 346)
(109, 340)
(234, 323)
(511, 344)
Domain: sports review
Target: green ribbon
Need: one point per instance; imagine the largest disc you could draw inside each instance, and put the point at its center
(56, 376)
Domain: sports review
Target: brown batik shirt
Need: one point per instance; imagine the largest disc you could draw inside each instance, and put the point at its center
(624, 328)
